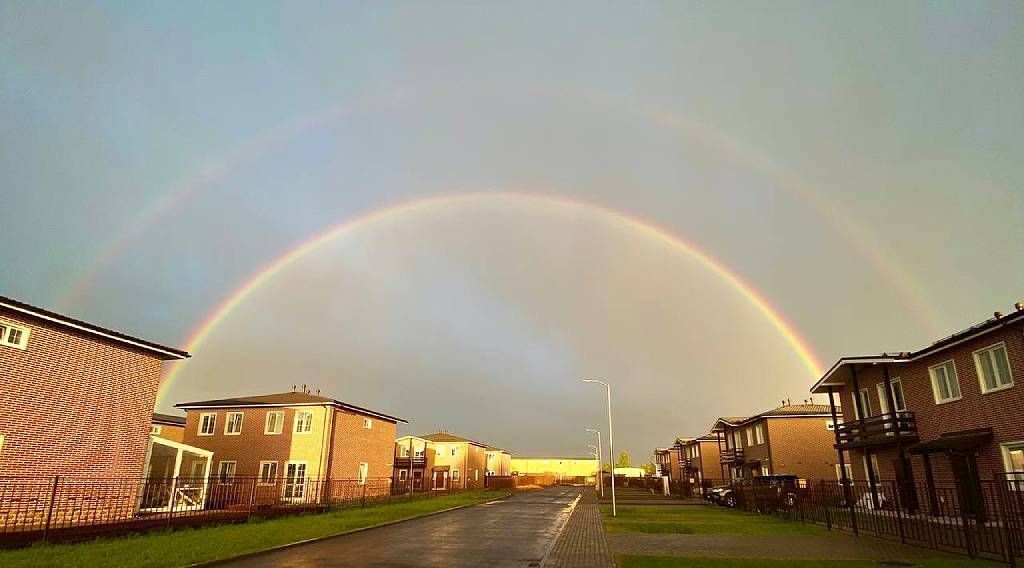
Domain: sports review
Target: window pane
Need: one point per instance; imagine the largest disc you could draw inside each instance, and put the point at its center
(941, 383)
(999, 354)
(987, 372)
(954, 386)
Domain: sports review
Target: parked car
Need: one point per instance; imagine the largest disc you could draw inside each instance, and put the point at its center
(721, 495)
(771, 492)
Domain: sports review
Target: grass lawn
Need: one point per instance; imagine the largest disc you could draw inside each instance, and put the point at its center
(701, 520)
(188, 546)
(676, 562)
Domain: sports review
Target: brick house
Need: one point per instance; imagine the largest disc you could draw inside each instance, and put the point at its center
(792, 439)
(414, 457)
(459, 462)
(499, 461)
(697, 459)
(949, 412)
(76, 399)
(293, 436)
(169, 427)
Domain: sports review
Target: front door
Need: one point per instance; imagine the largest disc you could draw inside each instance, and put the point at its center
(965, 472)
(295, 480)
(440, 477)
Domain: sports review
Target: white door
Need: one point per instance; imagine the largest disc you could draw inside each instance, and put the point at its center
(295, 480)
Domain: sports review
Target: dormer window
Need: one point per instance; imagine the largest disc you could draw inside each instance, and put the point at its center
(13, 335)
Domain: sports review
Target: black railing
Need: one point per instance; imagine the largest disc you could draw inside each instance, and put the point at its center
(877, 430)
(73, 508)
(731, 456)
(984, 519)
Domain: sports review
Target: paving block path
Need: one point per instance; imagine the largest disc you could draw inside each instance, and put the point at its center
(582, 543)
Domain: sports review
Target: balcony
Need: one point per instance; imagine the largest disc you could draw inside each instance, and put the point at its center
(731, 456)
(880, 430)
(406, 462)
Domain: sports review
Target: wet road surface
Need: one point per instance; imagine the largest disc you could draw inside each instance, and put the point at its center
(515, 532)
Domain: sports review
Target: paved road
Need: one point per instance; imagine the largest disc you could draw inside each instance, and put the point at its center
(514, 532)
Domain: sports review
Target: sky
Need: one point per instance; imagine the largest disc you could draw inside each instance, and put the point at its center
(669, 196)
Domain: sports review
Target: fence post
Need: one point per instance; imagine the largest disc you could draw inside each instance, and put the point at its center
(252, 500)
(828, 507)
(1005, 515)
(49, 509)
(898, 497)
(170, 510)
(965, 520)
(363, 501)
(851, 504)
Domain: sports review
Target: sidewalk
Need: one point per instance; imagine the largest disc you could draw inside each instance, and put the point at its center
(582, 543)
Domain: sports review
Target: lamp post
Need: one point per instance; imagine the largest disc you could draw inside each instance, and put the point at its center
(600, 463)
(611, 447)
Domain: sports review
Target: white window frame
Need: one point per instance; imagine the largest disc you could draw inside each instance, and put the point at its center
(22, 344)
(759, 433)
(367, 424)
(849, 471)
(403, 475)
(221, 478)
(456, 474)
(227, 423)
(866, 400)
(874, 463)
(155, 429)
(262, 479)
(476, 475)
(750, 435)
(883, 400)
(455, 451)
(364, 472)
(309, 424)
(279, 422)
(765, 470)
(933, 375)
(995, 368)
(304, 485)
(202, 422)
(1004, 449)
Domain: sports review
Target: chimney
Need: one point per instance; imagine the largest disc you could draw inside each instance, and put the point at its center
(293, 388)
(997, 315)
(1019, 306)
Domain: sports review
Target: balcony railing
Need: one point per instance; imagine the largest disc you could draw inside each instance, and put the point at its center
(405, 462)
(731, 456)
(878, 430)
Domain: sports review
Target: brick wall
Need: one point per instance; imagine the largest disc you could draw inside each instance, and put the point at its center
(802, 446)
(710, 467)
(1000, 410)
(73, 404)
(354, 444)
(172, 433)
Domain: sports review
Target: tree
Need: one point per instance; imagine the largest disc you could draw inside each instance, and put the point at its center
(623, 460)
(649, 469)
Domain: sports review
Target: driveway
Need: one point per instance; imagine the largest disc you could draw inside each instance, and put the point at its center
(513, 532)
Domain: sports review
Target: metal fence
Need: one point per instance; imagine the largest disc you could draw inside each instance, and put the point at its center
(75, 508)
(983, 519)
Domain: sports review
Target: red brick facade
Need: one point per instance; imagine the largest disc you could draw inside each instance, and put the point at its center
(1001, 410)
(790, 440)
(74, 403)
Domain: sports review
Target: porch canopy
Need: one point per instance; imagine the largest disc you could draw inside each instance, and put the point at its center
(176, 476)
(954, 442)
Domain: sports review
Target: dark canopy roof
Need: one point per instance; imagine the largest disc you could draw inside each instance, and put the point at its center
(954, 441)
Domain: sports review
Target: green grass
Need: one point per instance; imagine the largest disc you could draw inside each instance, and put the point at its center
(677, 562)
(184, 547)
(663, 519)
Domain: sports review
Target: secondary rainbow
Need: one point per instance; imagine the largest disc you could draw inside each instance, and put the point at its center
(195, 341)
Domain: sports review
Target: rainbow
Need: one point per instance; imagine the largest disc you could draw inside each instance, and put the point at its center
(412, 207)
(843, 224)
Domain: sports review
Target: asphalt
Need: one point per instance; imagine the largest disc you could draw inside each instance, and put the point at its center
(511, 533)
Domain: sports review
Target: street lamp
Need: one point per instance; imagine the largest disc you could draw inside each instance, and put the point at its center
(611, 447)
(600, 462)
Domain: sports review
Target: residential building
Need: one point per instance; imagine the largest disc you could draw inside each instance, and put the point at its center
(499, 461)
(663, 464)
(459, 462)
(950, 411)
(296, 436)
(168, 426)
(559, 467)
(414, 457)
(792, 439)
(697, 459)
(76, 399)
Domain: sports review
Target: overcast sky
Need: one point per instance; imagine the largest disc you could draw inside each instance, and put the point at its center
(859, 165)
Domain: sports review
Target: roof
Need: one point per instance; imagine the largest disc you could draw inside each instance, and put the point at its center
(784, 411)
(164, 352)
(954, 441)
(169, 419)
(833, 376)
(494, 449)
(284, 399)
(728, 421)
(563, 458)
(446, 437)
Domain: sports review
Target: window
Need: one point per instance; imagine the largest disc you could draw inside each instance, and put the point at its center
(207, 423)
(364, 470)
(1013, 462)
(155, 429)
(849, 471)
(198, 470)
(945, 384)
(13, 335)
(268, 472)
(226, 471)
(750, 436)
(233, 424)
(993, 368)
(294, 480)
(764, 470)
(759, 431)
(455, 451)
(830, 425)
(897, 396)
(275, 422)
(367, 423)
(863, 404)
(403, 451)
(476, 475)
(737, 439)
(403, 474)
(303, 422)
(873, 473)
(455, 475)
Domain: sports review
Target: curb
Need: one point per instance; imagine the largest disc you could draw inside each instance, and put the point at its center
(554, 541)
(221, 561)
